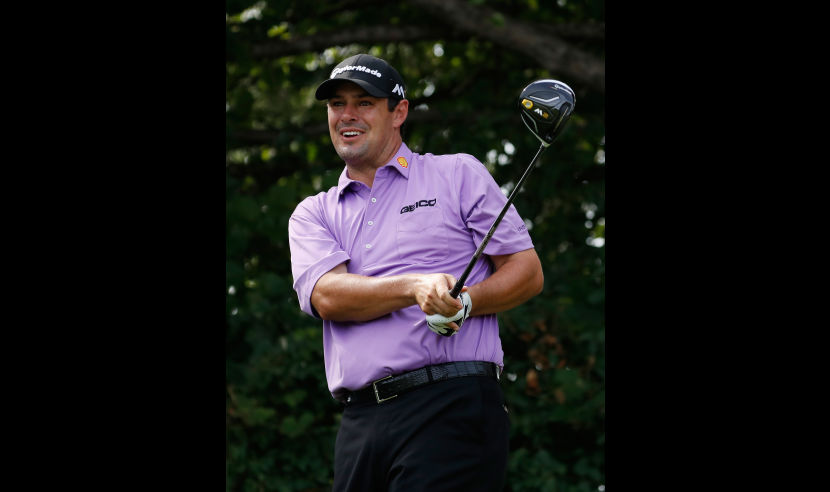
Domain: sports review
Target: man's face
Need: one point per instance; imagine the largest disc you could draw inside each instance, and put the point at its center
(361, 126)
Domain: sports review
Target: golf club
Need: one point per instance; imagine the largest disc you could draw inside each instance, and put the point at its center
(545, 106)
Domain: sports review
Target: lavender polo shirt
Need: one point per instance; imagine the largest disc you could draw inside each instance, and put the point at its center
(423, 214)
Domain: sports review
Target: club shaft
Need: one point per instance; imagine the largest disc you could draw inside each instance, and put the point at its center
(456, 290)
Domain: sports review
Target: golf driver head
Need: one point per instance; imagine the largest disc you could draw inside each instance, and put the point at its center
(545, 106)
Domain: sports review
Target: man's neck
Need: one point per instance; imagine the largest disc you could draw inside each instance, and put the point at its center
(365, 173)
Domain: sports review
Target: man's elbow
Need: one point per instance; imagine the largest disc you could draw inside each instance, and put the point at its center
(324, 308)
(330, 308)
(537, 278)
(324, 298)
(538, 283)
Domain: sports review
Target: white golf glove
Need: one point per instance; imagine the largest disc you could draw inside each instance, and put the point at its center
(439, 324)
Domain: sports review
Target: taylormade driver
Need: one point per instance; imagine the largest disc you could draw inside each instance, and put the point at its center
(545, 106)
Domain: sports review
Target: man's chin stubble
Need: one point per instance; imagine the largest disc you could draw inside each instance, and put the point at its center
(350, 153)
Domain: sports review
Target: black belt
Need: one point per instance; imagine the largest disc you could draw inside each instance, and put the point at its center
(391, 386)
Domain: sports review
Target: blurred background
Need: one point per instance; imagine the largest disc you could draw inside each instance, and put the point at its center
(464, 63)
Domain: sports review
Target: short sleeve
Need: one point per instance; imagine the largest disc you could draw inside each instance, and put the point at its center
(481, 202)
(314, 250)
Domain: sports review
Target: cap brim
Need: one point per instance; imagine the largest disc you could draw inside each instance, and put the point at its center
(326, 89)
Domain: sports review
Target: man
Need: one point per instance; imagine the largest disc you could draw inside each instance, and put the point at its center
(374, 258)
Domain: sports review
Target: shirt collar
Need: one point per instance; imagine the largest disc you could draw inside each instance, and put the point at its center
(343, 182)
(400, 162)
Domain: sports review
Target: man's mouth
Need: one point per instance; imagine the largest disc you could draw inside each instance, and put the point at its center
(351, 133)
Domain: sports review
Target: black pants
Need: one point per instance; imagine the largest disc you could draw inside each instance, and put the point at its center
(448, 436)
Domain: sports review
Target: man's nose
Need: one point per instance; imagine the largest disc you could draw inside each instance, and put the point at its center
(349, 113)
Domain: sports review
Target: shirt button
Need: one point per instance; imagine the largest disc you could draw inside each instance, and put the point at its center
(374, 199)
(368, 246)
(371, 222)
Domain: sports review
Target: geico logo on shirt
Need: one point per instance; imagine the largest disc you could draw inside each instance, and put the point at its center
(418, 204)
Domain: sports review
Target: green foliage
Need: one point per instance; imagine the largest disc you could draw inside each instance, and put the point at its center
(281, 420)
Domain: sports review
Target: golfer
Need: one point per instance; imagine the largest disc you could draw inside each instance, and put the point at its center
(374, 258)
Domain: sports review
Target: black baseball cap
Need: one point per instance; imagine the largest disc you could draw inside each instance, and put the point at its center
(374, 75)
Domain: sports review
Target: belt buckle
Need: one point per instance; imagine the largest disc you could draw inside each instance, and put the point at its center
(377, 396)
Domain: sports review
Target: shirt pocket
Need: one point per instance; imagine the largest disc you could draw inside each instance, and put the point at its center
(422, 236)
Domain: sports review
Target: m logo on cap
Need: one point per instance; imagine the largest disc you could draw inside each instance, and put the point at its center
(399, 91)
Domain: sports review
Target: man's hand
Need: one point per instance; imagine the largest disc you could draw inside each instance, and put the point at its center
(442, 325)
(431, 292)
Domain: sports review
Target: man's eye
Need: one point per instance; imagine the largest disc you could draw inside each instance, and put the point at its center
(336, 103)
(365, 103)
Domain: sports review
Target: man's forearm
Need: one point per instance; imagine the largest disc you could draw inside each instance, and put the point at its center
(343, 296)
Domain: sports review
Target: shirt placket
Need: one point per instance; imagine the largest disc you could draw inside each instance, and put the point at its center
(369, 221)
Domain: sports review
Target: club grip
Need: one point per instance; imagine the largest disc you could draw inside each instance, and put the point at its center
(456, 290)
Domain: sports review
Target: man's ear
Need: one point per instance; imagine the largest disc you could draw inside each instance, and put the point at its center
(400, 113)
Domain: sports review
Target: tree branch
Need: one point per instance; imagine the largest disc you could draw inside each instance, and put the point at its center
(544, 44)
(362, 35)
(588, 31)
(549, 50)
